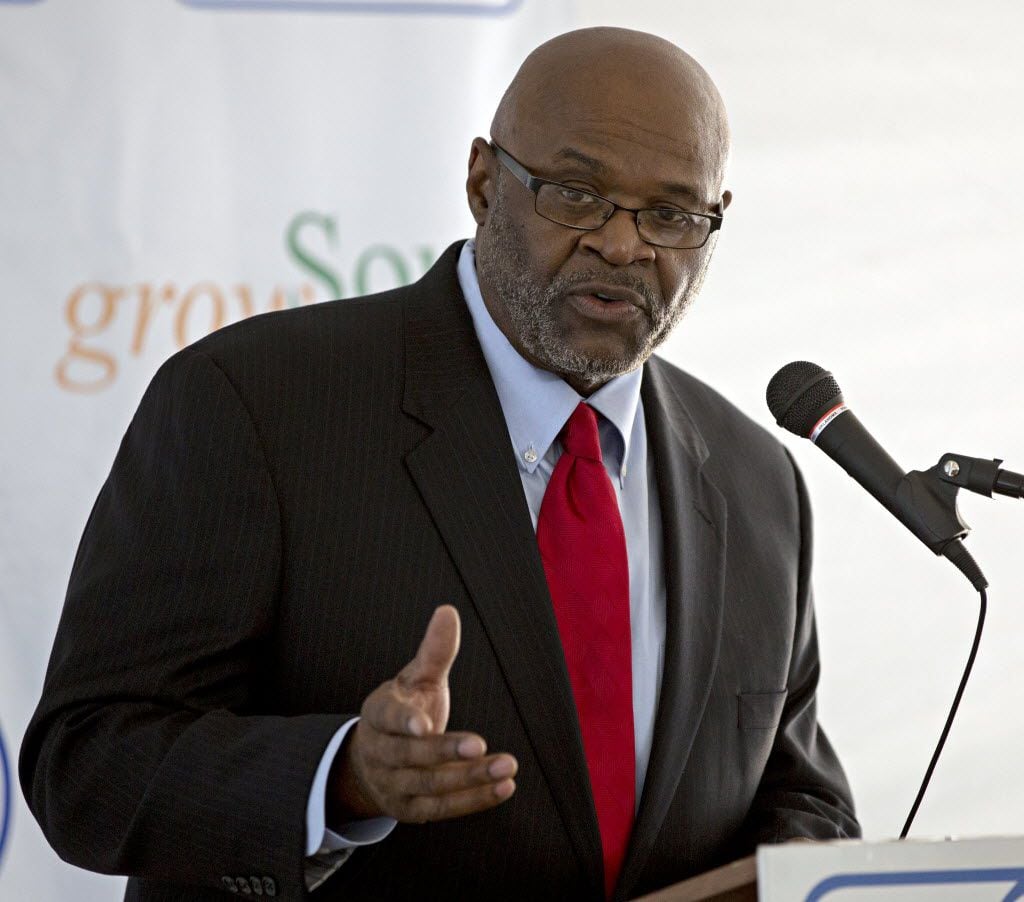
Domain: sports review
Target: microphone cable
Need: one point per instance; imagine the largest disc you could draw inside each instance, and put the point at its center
(983, 608)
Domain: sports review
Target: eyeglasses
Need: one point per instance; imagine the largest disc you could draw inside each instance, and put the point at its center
(578, 209)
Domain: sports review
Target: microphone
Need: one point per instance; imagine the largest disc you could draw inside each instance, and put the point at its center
(806, 399)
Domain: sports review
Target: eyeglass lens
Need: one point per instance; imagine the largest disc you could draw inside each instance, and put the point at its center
(668, 228)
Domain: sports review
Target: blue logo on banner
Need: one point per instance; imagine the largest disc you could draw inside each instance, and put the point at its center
(394, 7)
(5, 797)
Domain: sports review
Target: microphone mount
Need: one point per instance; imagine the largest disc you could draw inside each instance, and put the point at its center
(928, 500)
(979, 475)
(928, 503)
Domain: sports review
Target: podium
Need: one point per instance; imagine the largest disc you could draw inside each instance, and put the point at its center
(951, 870)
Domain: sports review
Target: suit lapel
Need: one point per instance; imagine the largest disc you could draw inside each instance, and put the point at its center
(693, 514)
(467, 476)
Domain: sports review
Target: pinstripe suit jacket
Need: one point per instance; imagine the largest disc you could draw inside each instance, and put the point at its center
(294, 496)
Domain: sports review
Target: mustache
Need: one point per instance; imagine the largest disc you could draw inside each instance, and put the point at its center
(565, 284)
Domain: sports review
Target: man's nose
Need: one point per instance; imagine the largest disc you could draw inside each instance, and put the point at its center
(618, 241)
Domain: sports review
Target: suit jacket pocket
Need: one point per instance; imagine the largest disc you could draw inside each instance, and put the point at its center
(760, 710)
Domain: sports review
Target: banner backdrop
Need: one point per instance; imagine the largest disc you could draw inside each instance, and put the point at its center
(166, 168)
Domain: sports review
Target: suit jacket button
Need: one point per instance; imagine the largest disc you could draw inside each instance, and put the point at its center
(257, 885)
(269, 886)
(229, 883)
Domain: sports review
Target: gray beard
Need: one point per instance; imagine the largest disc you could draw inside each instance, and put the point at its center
(532, 308)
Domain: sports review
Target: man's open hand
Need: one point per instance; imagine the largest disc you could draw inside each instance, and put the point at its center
(398, 760)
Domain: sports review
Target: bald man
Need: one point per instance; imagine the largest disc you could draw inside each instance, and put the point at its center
(456, 591)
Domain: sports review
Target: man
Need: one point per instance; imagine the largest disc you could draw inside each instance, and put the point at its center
(400, 507)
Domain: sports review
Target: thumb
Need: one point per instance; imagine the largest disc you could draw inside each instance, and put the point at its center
(438, 648)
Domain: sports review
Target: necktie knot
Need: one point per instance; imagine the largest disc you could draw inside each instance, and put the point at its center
(579, 434)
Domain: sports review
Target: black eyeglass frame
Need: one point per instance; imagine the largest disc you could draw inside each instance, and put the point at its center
(534, 184)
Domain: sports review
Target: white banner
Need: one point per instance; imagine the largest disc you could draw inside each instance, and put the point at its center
(167, 167)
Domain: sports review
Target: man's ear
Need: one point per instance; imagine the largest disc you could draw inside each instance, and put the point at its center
(726, 199)
(480, 180)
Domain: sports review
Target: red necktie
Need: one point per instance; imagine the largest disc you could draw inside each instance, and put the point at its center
(583, 547)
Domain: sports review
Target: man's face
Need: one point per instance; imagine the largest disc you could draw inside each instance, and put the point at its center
(541, 278)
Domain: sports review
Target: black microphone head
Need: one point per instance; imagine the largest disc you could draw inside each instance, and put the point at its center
(800, 394)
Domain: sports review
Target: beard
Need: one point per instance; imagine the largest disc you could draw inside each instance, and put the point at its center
(534, 308)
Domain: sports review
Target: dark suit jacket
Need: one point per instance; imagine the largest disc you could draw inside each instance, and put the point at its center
(294, 496)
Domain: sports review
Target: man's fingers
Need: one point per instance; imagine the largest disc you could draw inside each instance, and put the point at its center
(389, 750)
(437, 650)
(457, 804)
(453, 777)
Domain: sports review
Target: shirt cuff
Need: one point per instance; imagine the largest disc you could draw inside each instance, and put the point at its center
(355, 833)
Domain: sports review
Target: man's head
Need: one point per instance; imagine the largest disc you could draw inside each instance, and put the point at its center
(616, 113)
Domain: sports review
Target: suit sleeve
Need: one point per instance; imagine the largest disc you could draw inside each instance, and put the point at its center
(152, 752)
(803, 791)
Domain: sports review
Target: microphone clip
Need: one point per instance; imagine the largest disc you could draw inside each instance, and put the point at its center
(979, 475)
(928, 503)
(928, 498)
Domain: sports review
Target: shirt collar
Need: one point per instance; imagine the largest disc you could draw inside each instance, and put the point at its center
(536, 403)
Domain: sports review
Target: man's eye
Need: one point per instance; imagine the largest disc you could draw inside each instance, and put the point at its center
(576, 197)
(669, 217)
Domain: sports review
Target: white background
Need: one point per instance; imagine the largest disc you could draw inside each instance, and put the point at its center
(875, 229)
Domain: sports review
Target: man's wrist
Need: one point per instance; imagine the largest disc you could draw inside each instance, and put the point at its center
(347, 797)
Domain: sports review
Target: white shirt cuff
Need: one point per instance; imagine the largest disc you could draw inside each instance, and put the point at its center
(355, 833)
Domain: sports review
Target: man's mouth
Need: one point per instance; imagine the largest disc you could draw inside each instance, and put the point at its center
(612, 294)
(607, 307)
(607, 302)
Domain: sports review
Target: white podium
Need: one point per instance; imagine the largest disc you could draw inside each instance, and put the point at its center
(961, 870)
(971, 870)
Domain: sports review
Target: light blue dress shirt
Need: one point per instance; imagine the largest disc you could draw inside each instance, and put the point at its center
(536, 404)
